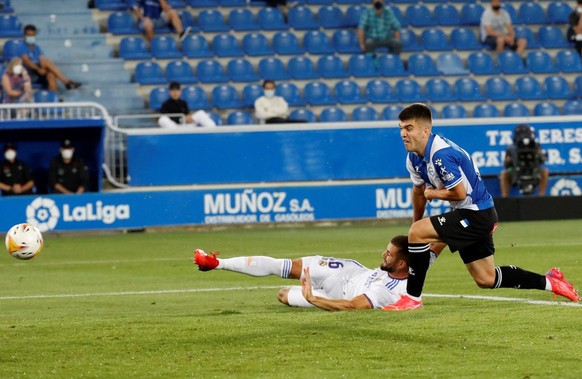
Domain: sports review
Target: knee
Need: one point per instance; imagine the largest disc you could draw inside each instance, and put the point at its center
(415, 233)
(283, 296)
(485, 281)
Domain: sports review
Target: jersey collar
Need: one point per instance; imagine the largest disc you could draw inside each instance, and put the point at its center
(426, 156)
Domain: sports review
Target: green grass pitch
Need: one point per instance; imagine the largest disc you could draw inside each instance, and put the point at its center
(134, 306)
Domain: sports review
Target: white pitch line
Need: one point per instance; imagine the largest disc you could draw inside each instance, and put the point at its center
(194, 290)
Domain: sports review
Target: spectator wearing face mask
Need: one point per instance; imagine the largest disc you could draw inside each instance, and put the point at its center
(16, 86)
(575, 27)
(175, 106)
(68, 173)
(497, 30)
(271, 109)
(378, 28)
(15, 177)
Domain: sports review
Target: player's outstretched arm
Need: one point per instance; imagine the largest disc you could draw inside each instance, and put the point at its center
(358, 302)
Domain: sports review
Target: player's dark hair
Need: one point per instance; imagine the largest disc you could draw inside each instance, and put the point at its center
(416, 111)
(401, 243)
(30, 27)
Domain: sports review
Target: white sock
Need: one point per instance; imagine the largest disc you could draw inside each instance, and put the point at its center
(548, 285)
(257, 266)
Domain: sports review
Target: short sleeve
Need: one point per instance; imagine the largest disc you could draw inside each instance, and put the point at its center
(363, 20)
(414, 176)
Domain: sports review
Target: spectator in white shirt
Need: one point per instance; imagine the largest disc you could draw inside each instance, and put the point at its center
(497, 30)
(271, 109)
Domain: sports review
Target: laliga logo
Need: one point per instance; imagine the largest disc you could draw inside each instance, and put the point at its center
(43, 213)
(565, 187)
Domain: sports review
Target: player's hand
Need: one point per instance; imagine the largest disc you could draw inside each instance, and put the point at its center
(306, 289)
(429, 193)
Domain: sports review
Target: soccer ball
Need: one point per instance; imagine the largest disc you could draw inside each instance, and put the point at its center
(24, 241)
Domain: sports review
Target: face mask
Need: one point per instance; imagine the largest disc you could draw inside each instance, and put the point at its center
(67, 153)
(378, 5)
(10, 155)
(496, 7)
(17, 69)
(269, 93)
(30, 40)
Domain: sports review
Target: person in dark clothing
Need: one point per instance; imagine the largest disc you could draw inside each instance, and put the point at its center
(575, 27)
(68, 174)
(177, 113)
(15, 177)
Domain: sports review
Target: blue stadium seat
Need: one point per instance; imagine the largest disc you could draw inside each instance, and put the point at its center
(410, 40)
(447, 15)
(44, 96)
(181, 72)
(572, 107)
(540, 62)
(439, 90)
(250, 93)
(242, 19)
(435, 40)
(271, 19)
(399, 16)
(421, 64)
(233, 3)
(120, 23)
(498, 88)
(226, 45)
(532, 13)
(188, 21)
(352, 16)
(409, 90)
(471, 14)
(568, 61)
(201, 3)
(551, 37)
(149, 73)
(348, 1)
(12, 49)
(482, 64)
(272, 69)
(454, 111)
(110, 5)
(380, 92)
(241, 70)
(391, 65)
(318, 2)
(346, 42)
(301, 18)
(301, 68)
(511, 63)
(330, 17)
(467, 89)
(465, 39)
(362, 66)
(419, 15)
(290, 93)
(558, 12)
(451, 64)
(391, 112)
(164, 47)
(546, 109)
(196, 98)
(130, 48)
(485, 110)
(318, 93)
(305, 115)
(196, 46)
(316, 42)
(211, 20)
(557, 88)
(224, 96)
(364, 114)
(348, 92)
(513, 14)
(333, 115)
(216, 118)
(256, 44)
(515, 110)
(528, 88)
(210, 71)
(157, 97)
(578, 87)
(331, 66)
(525, 32)
(285, 43)
(239, 118)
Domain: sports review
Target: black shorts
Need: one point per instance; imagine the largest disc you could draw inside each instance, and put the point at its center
(469, 232)
(492, 43)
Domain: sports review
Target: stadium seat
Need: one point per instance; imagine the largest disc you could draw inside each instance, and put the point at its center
(409, 90)
(532, 13)
(439, 90)
(399, 16)
(241, 70)
(224, 96)
(316, 42)
(551, 37)
(119, 23)
(290, 93)
(242, 19)
(149, 72)
(164, 47)
(210, 71)
(558, 12)
(196, 46)
(331, 66)
(301, 18)
(226, 45)
(250, 93)
(511, 63)
(525, 32)
(201, 3)
(380, 92)
(330, 17)
(391, 112)
(568, 61)
(540, 62)
(271, 19)
(130, 48)
(109, 5)
(256, 44)
(211, 20)
(391, 65)
(181, 72)
(513, 14)
(346, 42)
(435, 40)
(301, 68)
(485, 110)
(578, 87)
(557, 88)
(364, 114)
(467, 89)
(348, 92)
(348, 1)
(481, 64)
(333, 115)
(465, 39)
(43, 96)
(188, 21)
(272, 69)
(318, 93)
(546, 109)
(305, 115)
(515, 110)
(196, 98)
(216, 118)
(233, 3)
(352, 16)
(471, 14)
(239, 118)
(12, 49)
(418, 15)
(157, 97)
(362, 66)
(498, 88)
(572, 107)
(410, 41)
(528, 88)
(285, 43)
(454, 111)
(450, 64)
(447, 15)
(421, 64)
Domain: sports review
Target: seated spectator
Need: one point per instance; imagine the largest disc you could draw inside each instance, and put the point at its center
(16, 86)
(67, 173)
(176, 112)
(15, 177)
(41, 69)
(379, 27)
(575, 27)
(497, 30)
(271, 109)
(157, 13)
